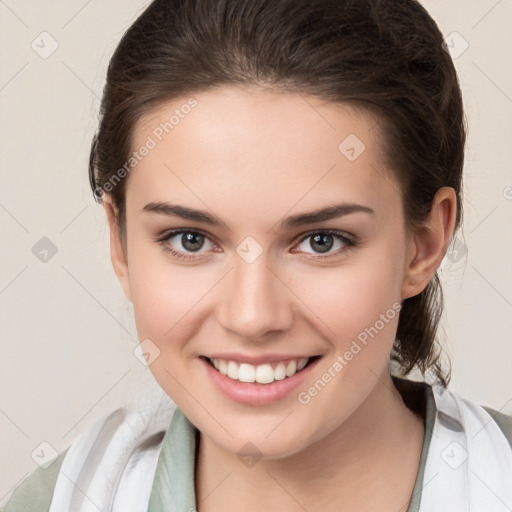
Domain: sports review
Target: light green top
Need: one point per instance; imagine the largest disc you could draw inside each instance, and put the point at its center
(173, 485)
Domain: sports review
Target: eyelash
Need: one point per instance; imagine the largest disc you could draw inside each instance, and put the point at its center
(348, 243)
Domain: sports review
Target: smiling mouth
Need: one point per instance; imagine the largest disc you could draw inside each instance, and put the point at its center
(260, 374)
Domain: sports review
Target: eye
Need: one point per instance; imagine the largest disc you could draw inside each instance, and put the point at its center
(184, 243)
(321, 242)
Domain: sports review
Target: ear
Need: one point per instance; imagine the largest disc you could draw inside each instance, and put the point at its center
(117, 251)
(427, 244)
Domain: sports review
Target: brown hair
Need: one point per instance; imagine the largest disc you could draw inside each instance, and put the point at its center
(382, 55)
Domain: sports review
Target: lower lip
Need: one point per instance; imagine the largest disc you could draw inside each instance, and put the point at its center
(253, 393)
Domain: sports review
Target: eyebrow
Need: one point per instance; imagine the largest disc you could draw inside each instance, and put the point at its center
(321, 215)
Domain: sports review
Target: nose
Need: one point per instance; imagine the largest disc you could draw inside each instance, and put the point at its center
(256, 300)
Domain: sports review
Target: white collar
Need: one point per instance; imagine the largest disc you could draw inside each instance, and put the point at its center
(469, 464)
(111, 466)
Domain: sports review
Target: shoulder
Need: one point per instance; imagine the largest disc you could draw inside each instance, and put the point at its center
(36, 491)
(129, 429)
(504, 421)
(478, 415)
(419, 397)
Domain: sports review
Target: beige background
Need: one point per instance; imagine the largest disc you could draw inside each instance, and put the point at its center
(67, 332)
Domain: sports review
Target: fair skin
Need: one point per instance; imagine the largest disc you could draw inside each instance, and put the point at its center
(253, 158)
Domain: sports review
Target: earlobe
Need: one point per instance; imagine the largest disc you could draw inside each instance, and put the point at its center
(117, 251)
(427, 245)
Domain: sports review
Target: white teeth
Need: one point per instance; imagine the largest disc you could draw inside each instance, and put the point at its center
(263, 373)
(280, 372)
(302, 362)
(291, 368)
(232, 370)
(246, 373)
(223, 367)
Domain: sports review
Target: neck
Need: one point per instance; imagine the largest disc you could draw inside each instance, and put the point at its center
(369, 462)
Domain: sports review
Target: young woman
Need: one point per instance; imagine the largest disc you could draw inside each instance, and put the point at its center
(281, 180)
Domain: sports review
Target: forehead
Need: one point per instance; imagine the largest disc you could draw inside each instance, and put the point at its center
(255, 147)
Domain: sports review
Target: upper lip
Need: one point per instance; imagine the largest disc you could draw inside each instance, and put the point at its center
(270, 358)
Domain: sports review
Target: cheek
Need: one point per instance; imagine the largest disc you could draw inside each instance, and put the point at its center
(358, 309)
(166, 302)
(164, 294)
(351, 297)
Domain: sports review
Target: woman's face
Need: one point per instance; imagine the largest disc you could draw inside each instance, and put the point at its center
(254, 274)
